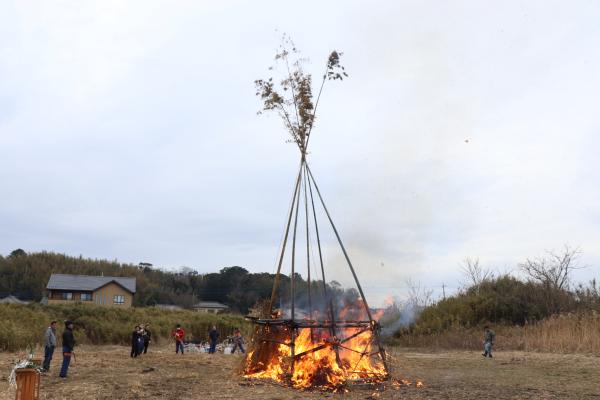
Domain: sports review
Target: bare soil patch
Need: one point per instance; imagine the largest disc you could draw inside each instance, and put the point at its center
(107, 372)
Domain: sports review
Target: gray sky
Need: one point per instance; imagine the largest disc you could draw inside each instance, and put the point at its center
(128, 130)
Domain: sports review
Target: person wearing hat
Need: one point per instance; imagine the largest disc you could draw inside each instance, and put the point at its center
(68, 344)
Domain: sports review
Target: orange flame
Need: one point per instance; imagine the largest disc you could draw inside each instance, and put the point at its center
(398, 383)
(322, 361)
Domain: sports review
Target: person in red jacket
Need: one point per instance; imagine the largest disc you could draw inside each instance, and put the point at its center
(179, 336)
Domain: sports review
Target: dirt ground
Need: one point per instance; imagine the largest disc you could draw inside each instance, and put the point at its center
(107, 372)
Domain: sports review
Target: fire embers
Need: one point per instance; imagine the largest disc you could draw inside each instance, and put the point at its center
(399, 383)
(318, 359)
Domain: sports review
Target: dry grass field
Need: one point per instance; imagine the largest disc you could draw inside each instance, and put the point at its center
(107, 372)
(562, 333)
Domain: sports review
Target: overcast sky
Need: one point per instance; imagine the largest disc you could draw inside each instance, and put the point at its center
(128, 130)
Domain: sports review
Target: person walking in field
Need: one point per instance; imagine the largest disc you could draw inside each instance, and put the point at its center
(68, 345)
(238, 341)
(488, 341)
(179, 336)
(213, 336)
(49, 345)
(147, 337)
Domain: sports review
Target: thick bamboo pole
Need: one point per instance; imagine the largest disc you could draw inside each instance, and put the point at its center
(310, 308)
(293, 277)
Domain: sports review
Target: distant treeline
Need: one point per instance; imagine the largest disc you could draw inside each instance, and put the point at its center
(543, 290)
(527, 314)
(26, 275)
(504, 300)
(540, 308)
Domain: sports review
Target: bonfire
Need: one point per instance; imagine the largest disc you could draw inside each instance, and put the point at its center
(314, 339)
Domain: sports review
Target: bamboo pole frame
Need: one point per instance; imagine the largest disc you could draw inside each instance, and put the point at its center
(303, 190)
(287, 328)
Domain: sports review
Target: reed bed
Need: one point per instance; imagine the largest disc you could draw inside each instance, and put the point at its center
(563, 333)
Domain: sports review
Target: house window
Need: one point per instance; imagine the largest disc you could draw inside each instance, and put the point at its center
(67, 296)
(86, 297)
(118, 299)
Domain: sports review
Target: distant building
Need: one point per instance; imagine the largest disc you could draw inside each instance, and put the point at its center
(212, 307)
(10, 299)
(102, 290)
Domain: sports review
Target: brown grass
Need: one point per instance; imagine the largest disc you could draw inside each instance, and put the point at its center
(566, 333)
(107, 372)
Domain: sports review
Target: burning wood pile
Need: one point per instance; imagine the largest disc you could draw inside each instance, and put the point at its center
(317, 353)
(310, 343)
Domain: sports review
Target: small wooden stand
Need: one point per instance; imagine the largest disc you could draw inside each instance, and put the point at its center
(28, 384)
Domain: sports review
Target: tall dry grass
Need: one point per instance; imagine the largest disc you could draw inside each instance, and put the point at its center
(23, 326)
(565, 333)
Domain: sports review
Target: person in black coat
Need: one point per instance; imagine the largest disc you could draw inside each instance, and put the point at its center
(68, 344)
(213, 336)
(136, 337)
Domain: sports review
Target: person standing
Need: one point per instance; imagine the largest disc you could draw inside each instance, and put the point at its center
(49, 345)
(147, 336)
(68, 344)
(179, 336)
(238, 341)
(140, 340)
(213, 336)
(135, 340)
(488, 341)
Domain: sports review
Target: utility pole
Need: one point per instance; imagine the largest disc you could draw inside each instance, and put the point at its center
(444, 290)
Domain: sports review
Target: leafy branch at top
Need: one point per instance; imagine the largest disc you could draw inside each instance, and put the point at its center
(292, 96)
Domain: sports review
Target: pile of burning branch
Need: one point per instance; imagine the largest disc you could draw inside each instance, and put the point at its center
(316, 353)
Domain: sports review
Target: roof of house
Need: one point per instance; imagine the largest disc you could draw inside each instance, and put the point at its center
(12, 300)
(210, 304)
(88, 282)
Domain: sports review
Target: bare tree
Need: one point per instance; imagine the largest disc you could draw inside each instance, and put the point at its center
(474, 273)
(418, 296)
(554, 269)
